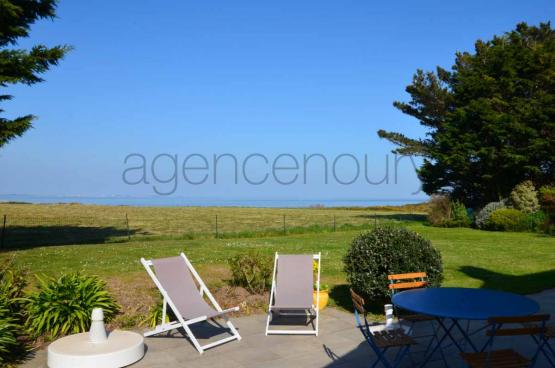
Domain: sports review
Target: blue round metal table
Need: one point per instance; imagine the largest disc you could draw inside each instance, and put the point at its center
(455, 304)
(463, 303)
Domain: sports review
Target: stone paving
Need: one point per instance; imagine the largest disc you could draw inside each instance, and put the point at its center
(339, 344)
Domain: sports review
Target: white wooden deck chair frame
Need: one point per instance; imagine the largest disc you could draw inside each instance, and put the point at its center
(312, 312)
(181, 322)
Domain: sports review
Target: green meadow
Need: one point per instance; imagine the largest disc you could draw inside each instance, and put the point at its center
(518, 262)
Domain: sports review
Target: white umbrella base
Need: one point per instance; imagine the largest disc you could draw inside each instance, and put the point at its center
(122, 348)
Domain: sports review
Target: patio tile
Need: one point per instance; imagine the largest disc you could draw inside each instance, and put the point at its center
(339, 345)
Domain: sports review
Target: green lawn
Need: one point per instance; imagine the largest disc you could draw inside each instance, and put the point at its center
(518, 262)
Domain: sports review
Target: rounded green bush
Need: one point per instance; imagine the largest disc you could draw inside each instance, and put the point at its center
(507, 219)
(389, 250)
(482, 217)
(64, 305)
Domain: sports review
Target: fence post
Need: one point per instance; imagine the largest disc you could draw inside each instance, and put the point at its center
(127, 225)
(216, 226)
(375, 220)
(3, 232)
(334, 223)
(284, 229)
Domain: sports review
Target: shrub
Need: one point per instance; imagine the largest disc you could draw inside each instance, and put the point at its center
(388, 250)
(547, 195)
(12, 306)
(483, 215)
(459, 216)
(525, 198)
(64, 305)
(507, 219)
(444, 212)
(536, 221)
(439, 210)
(253, 271)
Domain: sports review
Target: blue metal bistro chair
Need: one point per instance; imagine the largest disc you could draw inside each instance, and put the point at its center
(544, 341)
(410, 281)
(509, 358)
(383, 340)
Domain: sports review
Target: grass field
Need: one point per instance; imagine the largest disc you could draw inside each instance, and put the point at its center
(518, 262)
(46, 224)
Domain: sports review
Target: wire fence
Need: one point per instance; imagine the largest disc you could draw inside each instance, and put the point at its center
(28, 231)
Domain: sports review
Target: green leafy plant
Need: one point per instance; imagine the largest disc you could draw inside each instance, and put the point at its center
(9, 331)
(484, 214)
(12, 284)
(439, 210)
(64, 305)
(443, 212)
(154, 316)
(12, 313)
(323, 287)
(536, 221)
(507, 219)
(389, 250)
(253, 271)
(524, 197)
(459, 216)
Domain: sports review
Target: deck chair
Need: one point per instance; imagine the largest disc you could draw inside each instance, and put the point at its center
(292, 291)
(174, 278)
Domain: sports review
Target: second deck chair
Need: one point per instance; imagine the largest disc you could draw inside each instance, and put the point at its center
(292, 291)
(174, 278)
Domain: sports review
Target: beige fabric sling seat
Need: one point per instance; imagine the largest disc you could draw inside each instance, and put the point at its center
(292, 291)
(174, 278)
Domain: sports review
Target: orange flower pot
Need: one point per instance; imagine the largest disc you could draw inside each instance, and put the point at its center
(324, 299)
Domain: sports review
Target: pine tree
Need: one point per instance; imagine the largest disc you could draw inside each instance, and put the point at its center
(19, 66)
(491, 118)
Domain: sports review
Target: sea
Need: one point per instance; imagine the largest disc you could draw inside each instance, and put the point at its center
(176, 201)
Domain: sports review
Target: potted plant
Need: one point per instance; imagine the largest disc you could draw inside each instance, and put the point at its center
(320, 299)
(324, 296)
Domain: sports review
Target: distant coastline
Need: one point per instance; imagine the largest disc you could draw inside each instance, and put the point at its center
(209, 202)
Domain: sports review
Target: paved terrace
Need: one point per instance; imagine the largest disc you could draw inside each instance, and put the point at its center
(339, 344)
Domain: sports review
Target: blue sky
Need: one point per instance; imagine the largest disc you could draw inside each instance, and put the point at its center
(238, 77)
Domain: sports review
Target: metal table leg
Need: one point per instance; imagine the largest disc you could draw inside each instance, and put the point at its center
(447, 333)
